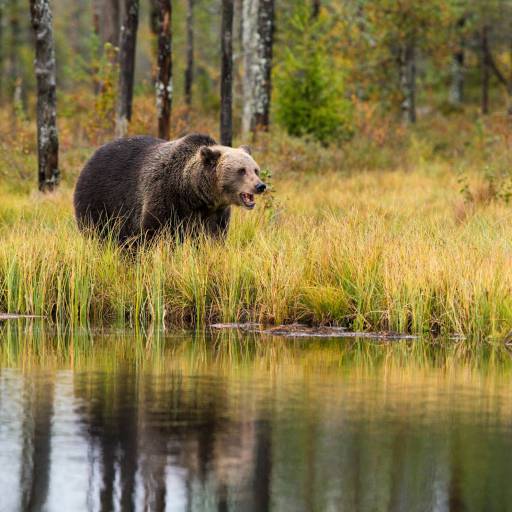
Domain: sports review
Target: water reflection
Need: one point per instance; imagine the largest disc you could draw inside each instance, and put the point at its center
(146, 421)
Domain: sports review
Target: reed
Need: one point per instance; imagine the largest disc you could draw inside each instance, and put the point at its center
(381, 251)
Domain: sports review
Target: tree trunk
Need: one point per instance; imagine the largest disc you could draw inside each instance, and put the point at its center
(37, 445)
(226, 79)
(263, 84)
(258, 37)
(1, 51)
(111, 22)
(408, 82)
(107, 21)
(315, 9)
(189, 71)
(163, 83)
(15, 43)
(457, 88)
(47, 136)
(96, 15)
(154, 9)
(127, 45)
(249, 34)
(485, 69)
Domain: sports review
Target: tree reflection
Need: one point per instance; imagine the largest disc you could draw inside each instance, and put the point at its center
(36, 441)
(228, 425)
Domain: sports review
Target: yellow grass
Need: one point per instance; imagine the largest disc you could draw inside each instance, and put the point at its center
(373, 251)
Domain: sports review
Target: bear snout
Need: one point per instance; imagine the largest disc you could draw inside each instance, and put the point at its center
(261, 187)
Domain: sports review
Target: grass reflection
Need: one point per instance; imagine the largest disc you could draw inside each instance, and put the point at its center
(246, 422)
(29, 344)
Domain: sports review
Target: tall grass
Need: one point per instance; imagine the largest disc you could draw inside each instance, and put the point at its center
(381, 251)
(374, 234)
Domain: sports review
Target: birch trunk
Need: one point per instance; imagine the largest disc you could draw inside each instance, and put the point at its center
(128, 39)
(258, 36)
(163, 83)
(249, 35)
(226, 80)
(45, 69)
(263, 76)
(189, 71)
(408, 82)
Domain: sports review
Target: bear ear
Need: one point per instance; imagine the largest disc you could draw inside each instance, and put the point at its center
(246, 148)
(209, 155)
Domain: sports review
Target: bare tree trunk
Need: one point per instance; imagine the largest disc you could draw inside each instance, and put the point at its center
(485, 69)
(249, 32)
(226, 79)
(154, 9)
(107, 20)
(1, 50)
(489, 65)
(408, 82)
(96, 14)
(163, 83)
(127, 65)
(189, 71)
(16, 81)
(47, 136)
(111, 22)
(258, 36)
(315, 9)
(238, 26)
(457, 88)
(262, 87)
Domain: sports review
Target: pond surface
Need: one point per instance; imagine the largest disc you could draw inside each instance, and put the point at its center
(121, 420)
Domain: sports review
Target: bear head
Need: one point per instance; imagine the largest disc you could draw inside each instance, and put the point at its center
(236, 172)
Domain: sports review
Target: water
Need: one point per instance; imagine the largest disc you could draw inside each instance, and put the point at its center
(145, 421)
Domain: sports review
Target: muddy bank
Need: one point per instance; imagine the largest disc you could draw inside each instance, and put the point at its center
(301, 330)
(13, 316)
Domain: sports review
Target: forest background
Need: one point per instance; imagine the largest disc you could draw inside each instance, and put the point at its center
(383, 126)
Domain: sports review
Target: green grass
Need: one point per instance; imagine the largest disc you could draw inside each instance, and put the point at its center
(374, 251)
(404, 230)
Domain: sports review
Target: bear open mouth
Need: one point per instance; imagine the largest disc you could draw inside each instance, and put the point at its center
(247, 200)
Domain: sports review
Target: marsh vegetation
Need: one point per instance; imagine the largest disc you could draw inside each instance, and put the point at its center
(400, 236)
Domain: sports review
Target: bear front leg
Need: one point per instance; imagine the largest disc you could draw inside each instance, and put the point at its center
(149, 224)
(217, 224)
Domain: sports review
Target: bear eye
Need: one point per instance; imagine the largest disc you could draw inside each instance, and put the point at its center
(241, 171)
(257, 172)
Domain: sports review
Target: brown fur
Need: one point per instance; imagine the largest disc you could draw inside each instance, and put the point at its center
(145, 184)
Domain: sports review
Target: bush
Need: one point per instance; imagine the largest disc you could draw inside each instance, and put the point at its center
(309, 90)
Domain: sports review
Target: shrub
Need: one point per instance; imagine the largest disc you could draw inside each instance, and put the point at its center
(309, 90)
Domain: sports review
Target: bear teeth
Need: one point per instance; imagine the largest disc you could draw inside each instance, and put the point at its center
(247, 199)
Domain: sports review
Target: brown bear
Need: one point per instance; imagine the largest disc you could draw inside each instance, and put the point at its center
(137, 186)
